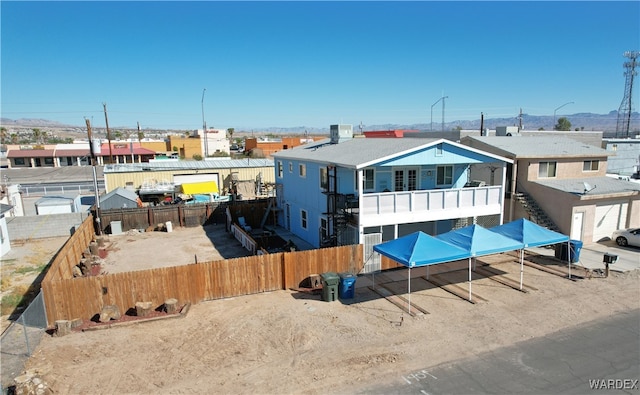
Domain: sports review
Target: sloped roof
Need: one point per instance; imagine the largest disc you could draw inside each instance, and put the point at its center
(30, 153)
(361, 152)
(54, 201)
(207, 164)
(125, 193)
(535, 146)
(5, 207)
(72, 152)
(600, 185)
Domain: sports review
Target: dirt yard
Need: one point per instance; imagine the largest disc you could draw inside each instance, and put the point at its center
(287, 342)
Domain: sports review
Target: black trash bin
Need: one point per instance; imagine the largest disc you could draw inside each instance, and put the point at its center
(347, 288)
(330, 282)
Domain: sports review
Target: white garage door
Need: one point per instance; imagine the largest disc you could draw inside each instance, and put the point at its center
(608, 218)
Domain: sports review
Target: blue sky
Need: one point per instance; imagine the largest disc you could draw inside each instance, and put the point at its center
(312, 64)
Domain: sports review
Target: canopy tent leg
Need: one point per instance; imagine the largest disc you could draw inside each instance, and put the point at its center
(521, 267)
(409, 288)
(469, 279)
(569, 257)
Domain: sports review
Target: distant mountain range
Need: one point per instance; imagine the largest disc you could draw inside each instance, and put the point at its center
(581, 121)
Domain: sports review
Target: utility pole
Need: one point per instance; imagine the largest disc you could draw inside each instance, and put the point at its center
(95, 178)
(204, 127)
(106, 121)
(443, 98)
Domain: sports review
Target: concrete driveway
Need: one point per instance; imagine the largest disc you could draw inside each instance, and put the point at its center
(591, 256)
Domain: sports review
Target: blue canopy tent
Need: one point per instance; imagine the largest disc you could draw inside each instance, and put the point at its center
(531, 235)
(478, 241)
(419, 249)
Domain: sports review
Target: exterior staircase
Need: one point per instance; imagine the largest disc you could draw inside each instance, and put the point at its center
(536, 214)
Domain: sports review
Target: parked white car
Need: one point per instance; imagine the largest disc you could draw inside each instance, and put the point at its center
(625, 237)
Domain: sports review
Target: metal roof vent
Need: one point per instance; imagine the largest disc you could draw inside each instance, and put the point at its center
(340, 133)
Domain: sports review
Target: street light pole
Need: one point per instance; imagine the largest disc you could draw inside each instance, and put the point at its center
(204, 127)
(438, 101)
(554, 113)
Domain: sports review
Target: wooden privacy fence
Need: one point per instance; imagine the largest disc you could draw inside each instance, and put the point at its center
(61, 267)
(187, 215)
(68, 298)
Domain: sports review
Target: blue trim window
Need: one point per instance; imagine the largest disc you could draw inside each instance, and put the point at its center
(303, 219)
(280, 169)
(302, 170)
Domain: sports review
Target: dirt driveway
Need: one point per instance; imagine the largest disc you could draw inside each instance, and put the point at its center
(286, 342)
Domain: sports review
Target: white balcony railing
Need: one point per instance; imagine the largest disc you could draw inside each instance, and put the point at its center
(430, 204)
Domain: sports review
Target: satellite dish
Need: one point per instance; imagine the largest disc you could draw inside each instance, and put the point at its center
(587, 187)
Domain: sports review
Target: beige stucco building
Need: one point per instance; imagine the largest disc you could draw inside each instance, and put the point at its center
(566, 179)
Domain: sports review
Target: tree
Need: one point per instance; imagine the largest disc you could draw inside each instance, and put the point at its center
(38, 136)
(14, 138)
(230, 134)
(3, 134)
(117, 134)
(563, 124)
(140, 137)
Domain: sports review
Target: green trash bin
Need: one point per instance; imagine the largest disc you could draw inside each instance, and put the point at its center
(330, 283)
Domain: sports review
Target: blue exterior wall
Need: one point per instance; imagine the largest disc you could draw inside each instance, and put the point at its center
(302, 193)
(305, 193)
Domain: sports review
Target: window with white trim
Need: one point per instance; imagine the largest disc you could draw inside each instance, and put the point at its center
(547, 169)
(439, 151)
(324, 178)
(590, 165)
(302, 170)
(368, 176)
(324, 228)
(280, 169)
(290, 167)
(444, 175)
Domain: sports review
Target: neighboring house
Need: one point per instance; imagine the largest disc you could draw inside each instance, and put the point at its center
(185, 146)
(267, 148)
(78, 154)
(55, 205)
(119, 198)
(213, 141)
(626, 158)
(5, 242)
(564, 180)
(159, 179)
(347, 190)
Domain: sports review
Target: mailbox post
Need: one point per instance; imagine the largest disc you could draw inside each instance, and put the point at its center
(608, 259)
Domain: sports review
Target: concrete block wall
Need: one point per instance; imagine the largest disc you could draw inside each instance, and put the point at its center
(43, 226)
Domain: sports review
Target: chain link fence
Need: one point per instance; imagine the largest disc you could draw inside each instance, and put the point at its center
(21, 338)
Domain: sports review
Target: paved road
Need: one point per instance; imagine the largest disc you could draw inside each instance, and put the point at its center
(562, 363)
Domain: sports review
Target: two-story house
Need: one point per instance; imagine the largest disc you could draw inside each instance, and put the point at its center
(565, 180)
(346, 190)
